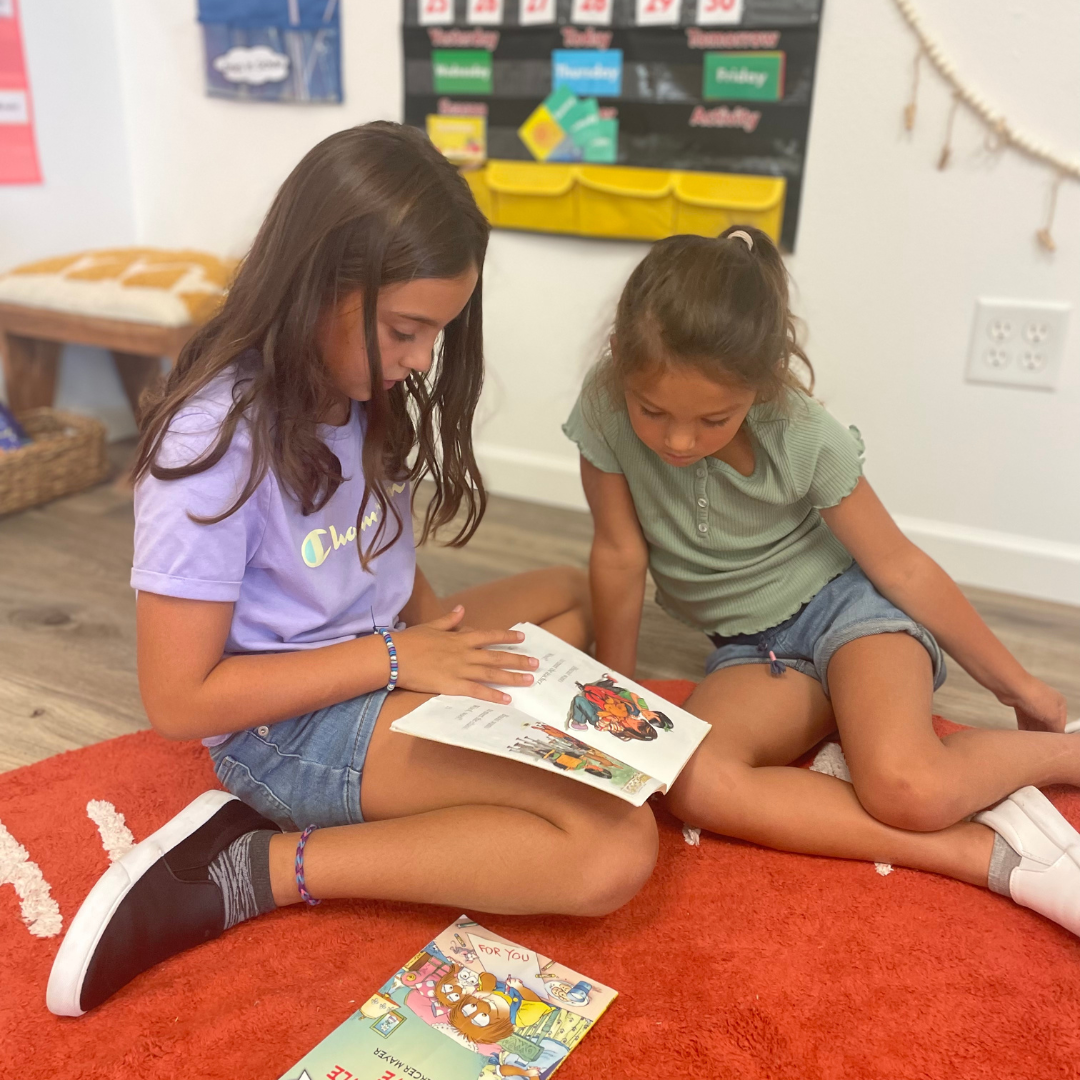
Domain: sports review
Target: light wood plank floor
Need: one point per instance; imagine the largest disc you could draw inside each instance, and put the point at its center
(67, 618)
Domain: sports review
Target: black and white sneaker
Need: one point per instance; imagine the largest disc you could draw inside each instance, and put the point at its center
(154, 902)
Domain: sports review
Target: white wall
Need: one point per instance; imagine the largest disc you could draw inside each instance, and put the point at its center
(86, 198)
(892, 255)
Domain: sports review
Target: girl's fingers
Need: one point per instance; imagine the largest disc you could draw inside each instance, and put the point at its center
(484, 693)
(509, 660)
(503, 677)
(448, 621)
(481, 639)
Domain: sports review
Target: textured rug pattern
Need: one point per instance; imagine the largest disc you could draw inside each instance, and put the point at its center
(732, 962)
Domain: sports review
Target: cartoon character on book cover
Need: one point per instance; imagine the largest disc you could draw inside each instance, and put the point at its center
(604, 705)
(470, 1005)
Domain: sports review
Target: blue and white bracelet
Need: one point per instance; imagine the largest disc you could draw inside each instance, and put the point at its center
(392, 650)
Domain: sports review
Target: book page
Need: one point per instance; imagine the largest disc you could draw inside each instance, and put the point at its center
(469, 1006)
(611, 713)
(511, 733)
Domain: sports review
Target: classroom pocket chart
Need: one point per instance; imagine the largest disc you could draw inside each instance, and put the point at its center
(636, 119)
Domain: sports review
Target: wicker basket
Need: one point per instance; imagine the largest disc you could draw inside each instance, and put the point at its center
(67, 454)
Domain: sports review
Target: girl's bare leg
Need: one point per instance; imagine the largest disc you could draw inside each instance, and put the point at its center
(451, 826)
(556, 599)
(739, 782)
(902, 772)
(910, 789)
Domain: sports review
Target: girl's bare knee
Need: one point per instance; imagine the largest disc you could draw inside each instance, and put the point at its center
(913, 799)
(617, 860)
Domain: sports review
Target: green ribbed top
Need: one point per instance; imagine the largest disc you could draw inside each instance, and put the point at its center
(733, 554)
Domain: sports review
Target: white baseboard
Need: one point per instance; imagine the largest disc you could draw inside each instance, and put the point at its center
(1007, 562)
(531, 475)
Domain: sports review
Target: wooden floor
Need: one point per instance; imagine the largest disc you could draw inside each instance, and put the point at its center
(67, 618)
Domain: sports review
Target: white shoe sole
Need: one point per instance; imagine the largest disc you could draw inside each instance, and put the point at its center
(1049, 820)
(71, 963)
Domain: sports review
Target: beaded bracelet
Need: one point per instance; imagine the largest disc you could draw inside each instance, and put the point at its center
(392, 650)
(301, 844)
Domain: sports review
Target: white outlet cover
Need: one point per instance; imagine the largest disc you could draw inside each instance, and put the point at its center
(1018, 342)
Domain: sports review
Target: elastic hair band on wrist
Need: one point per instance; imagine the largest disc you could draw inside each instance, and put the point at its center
(301, 887)
(392, 650)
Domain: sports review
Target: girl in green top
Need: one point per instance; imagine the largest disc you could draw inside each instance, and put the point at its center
(705, 461)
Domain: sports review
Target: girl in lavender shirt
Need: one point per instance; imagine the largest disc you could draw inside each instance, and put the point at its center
(274, 539)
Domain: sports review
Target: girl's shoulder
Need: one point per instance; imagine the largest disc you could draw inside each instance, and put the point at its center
(599, 424)
(820, 456)
(196, 426)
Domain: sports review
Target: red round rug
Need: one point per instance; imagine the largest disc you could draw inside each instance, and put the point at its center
(733, 961)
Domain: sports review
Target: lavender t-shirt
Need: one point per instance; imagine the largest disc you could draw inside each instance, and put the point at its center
(296, 582)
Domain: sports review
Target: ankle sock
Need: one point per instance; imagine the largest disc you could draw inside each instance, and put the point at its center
(1004, 859)
(242, 872)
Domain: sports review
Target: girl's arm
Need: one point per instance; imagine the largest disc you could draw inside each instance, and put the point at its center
(617, 564)
(424, 605)
(919, 587)
(190, 690)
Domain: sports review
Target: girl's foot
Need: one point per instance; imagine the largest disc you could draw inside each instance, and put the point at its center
(187, 883)
(1036, 857)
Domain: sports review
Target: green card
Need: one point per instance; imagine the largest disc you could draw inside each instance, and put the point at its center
(603, 145)
(461, 71)
(559, 102)
(743, 76)
(580, 121)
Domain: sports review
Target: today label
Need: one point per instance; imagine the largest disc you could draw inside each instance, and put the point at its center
(743, 76)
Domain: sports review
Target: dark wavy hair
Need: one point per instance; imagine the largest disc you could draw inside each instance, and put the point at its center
(365, 208)
(717, 304)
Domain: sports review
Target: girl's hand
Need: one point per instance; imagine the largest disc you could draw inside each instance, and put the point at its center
(1039, 708)
(438, 657)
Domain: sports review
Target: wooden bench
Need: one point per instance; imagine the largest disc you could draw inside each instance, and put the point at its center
(32, 338)
(139, 303)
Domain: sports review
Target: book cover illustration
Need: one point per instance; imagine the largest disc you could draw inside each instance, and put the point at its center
(469, 1005)
(577, 718)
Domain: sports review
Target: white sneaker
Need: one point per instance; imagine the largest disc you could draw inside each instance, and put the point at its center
(1047, 879)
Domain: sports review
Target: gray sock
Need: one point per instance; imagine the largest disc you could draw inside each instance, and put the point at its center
(1004, 859)
(242, 872)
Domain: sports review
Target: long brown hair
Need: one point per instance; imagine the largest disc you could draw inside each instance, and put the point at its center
(719, 304)
(366, 207)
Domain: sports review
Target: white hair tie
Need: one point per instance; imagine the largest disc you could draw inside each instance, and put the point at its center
(742, 236)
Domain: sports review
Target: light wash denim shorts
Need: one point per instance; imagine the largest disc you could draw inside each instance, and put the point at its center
(848, 607)
(304, 771)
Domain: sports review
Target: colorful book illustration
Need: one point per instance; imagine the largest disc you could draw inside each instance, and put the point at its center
(469, 1005)
(577, 718)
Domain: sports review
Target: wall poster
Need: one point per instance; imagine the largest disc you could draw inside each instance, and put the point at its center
(18, 150)
(272, 50)
(633, 118)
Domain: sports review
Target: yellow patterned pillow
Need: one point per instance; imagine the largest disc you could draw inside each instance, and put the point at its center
(168, 288)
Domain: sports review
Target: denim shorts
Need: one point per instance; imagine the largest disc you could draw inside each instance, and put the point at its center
(304, 771)
(848, 607)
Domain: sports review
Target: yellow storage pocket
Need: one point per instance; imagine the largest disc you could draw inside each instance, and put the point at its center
(617, 201)
(635, 204)
(708, 203)
(477, 181)
(528, 195)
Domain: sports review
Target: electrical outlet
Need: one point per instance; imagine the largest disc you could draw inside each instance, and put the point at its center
(1018, 343)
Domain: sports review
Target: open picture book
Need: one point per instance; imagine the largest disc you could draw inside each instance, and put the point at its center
(577, 718)
(469, 1006)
